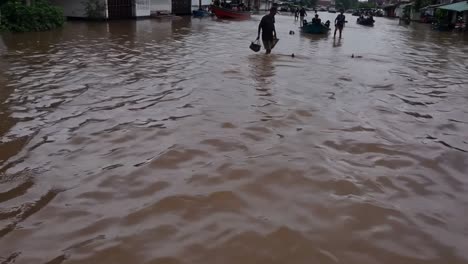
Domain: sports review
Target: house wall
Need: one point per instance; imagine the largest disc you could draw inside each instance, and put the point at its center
(398, 11)
(323, 3)
(389, 12)
(161, 5)
(142, 8)
(75, 8)
(195, 3)
(265, 5)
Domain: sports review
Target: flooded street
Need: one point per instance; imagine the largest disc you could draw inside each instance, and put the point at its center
(171, 142)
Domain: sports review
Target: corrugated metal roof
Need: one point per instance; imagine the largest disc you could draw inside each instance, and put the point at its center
(457, 7)
(432, 6)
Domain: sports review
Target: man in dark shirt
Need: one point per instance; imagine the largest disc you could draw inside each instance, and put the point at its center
(267, 27)
(340, 20)
(302, 14)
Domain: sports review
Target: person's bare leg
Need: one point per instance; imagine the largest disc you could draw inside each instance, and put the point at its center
(341, 30)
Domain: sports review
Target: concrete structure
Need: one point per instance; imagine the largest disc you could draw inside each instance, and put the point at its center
(195, 3)
(399, 11)
(262, 5)
(324, 3)
(74, 8)
(109, 9)
(161, 6)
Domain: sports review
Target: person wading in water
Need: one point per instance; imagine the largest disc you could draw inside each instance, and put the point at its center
(267, 27)
(340, 20)
(302, 14)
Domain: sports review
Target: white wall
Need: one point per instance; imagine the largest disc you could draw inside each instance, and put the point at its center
(265, 6)
(74, 8)
(204, 2)
(161, 5)
(398, 11)
(142, 8)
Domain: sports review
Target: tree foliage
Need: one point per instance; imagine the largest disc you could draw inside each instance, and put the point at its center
(345, 4)
(418, 4)
(41, 16)
(366, 5)
(309, 3)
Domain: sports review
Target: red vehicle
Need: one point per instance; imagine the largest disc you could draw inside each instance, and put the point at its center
(229, 13)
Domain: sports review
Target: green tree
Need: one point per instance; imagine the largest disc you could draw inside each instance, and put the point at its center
(17, 16)
(345, 4)
(309, 3)
(418, 4)
(365, 5)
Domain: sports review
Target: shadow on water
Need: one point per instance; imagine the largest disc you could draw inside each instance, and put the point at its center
(337, 42)
(262, 68)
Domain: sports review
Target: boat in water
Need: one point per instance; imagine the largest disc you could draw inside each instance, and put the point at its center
(365, 21)
(313, 28)
(230, 13)
(200, 13)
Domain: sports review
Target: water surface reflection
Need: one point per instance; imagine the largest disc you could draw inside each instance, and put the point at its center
(170, 142)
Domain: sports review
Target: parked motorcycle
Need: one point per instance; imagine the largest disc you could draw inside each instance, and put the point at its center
(460, 25)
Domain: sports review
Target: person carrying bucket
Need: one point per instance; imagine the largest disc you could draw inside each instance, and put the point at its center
(267, 27)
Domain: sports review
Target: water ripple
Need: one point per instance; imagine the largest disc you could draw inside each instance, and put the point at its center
(169, 141)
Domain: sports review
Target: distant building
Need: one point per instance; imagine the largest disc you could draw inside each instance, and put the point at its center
(325, 3)
(394, 8)
(196, 3)
(161, 6)
(261, 5)
(107, 9)
(376, 3)
(114, 9)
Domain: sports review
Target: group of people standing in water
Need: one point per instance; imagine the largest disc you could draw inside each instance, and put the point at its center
(267, 25)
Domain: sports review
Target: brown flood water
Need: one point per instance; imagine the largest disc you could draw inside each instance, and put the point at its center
(171, 142)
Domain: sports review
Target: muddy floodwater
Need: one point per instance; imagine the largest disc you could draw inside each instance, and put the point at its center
(171, 142)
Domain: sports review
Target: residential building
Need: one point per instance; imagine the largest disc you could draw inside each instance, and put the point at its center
(325, 3)
(107, 9)
(161, 6)
(114, 9)
(262, 5)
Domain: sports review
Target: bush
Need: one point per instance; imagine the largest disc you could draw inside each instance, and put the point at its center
(40, 16)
